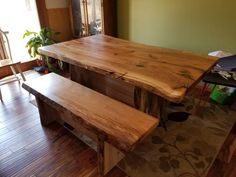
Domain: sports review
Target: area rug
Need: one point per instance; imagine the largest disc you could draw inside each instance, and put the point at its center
(186, 149)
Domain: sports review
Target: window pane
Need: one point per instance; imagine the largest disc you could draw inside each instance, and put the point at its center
(91, 16)
(17, 16)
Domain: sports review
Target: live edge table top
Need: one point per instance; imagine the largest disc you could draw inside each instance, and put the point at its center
(166, 72)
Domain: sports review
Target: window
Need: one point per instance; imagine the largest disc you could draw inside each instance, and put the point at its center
(87, 17)
(17, 16)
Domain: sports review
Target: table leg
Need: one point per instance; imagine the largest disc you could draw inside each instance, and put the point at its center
(201, 98)
(150, 103)
(156, 106)
(141, 99)
(80, 76)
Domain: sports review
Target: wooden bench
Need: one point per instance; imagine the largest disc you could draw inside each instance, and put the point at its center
(114, 126)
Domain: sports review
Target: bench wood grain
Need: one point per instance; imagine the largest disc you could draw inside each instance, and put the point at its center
(115, 126)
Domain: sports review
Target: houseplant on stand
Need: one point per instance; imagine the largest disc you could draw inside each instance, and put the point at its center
(43, 38)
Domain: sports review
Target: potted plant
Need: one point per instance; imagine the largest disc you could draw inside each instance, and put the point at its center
(36, 40)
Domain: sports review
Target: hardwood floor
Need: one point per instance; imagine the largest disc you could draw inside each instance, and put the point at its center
(29, 150)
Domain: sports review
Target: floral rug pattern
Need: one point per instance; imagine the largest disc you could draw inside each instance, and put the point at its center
(186, 149)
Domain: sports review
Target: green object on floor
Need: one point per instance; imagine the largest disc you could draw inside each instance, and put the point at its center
(222, 94)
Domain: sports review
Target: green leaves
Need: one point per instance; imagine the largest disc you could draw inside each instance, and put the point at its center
(36, 40)
(29, 33)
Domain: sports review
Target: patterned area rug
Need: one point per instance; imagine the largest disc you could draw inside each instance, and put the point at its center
(188, 148)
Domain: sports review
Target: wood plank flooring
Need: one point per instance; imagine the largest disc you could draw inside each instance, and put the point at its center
(29, 150)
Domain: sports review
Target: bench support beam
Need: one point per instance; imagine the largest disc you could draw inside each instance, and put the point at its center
(101, 122)
(46, 113)
(108, 156)
(111, 157)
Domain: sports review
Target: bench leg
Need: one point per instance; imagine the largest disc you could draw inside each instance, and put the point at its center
(108, 157)
(46, 113)
(156, 106)
(100, 156)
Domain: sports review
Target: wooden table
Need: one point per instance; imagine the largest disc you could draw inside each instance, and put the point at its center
(137, 74)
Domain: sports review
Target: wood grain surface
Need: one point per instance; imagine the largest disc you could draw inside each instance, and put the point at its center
(28, 149)
(166, 72)
(120, 125)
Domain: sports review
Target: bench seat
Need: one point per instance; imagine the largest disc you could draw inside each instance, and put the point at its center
(107, 121)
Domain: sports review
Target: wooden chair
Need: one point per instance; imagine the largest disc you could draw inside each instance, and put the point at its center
(6, 61)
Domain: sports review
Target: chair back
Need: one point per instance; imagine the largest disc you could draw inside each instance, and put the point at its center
(5, 49)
